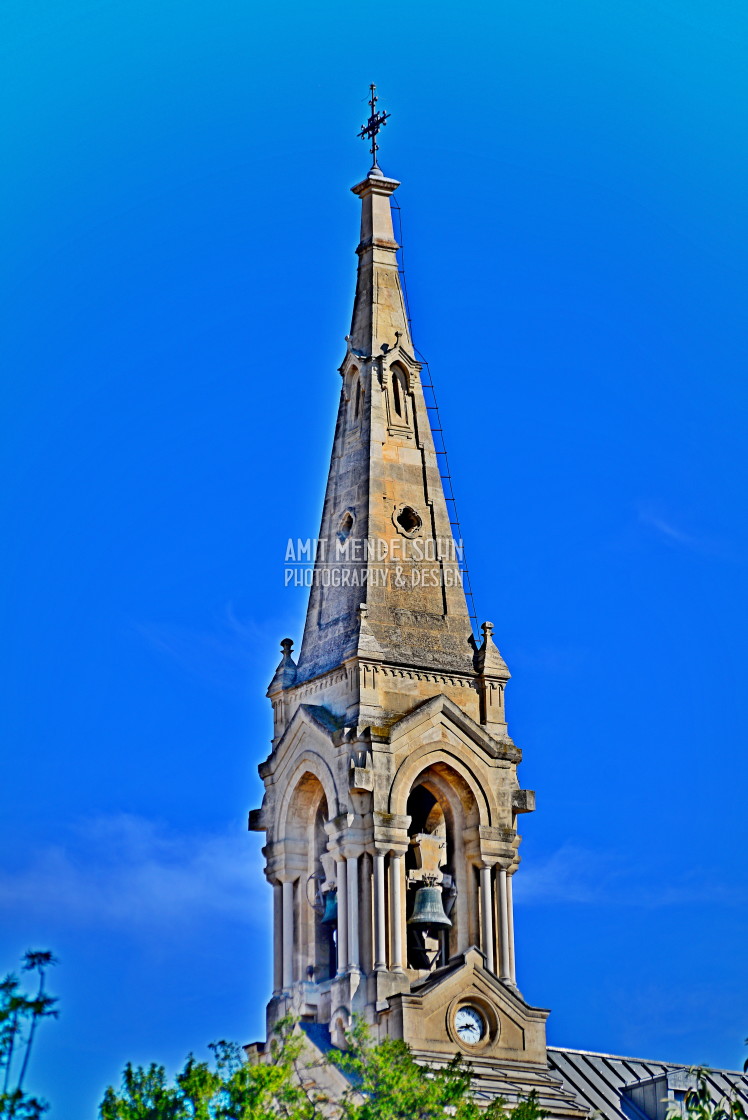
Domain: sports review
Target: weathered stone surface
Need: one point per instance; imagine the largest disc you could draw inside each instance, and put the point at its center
(384, 488)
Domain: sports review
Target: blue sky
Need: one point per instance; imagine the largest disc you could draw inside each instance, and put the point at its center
(177, 281)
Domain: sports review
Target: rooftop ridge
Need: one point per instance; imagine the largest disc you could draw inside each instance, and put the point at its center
(645, 1061)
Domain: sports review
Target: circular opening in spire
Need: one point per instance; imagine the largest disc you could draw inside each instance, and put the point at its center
(407, 520)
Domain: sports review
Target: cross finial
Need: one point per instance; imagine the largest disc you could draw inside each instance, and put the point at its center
(375, 122)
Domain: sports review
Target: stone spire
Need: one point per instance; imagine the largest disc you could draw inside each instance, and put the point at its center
(379, 307)
(385, 538)
(391, 790)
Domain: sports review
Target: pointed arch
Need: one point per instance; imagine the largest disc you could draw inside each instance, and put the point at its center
(310, 776)
(354, 395)
(465, 781)
(357, 396)
(444, 806)
(302, 834)
(399, 395)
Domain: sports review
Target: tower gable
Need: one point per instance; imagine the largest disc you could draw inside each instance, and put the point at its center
(514, 1030)
(444, 711)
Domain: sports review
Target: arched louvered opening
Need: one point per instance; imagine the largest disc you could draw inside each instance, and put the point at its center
(441, 807)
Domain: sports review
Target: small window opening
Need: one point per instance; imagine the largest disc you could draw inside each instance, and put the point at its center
(357, 402)
(396, 396)
(346, 524)
(408, 519)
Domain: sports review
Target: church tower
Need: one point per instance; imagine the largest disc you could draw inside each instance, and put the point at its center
(392, 797)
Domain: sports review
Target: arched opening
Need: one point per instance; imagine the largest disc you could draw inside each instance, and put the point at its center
(441, 807)
(324, 960)
(399, 396)
(355, 396)
(306, 838)
(396, 395)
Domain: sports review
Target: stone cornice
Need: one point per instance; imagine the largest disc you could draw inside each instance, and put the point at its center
(376, 243)
(419, 672)
(375, 184)
(387, 668)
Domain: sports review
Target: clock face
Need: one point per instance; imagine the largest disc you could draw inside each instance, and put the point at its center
(470, 1025)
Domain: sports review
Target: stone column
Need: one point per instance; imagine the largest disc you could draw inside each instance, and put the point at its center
(366, 912)
(459, 935)
(287, 933)
(380, 922)
(504, 968)
(277, 938)
(340, 874)
(397, 875)
(510, 926)
(486, 908)
(354, 959)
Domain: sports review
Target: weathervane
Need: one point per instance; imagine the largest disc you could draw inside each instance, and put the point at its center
(371, 128)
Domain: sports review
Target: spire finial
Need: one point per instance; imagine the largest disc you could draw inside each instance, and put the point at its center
(370, 130)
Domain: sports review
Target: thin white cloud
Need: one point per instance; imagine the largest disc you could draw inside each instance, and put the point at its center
(123, 870)
(576, 876)
(570, 875)
(668, 530)
(672, 532)
(219, 658)
(225, 653)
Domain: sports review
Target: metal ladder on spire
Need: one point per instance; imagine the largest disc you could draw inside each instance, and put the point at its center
(438, 433)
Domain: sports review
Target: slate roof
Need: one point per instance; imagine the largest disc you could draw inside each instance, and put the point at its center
(319, 1034)
(601, 1085)
(604, 1082)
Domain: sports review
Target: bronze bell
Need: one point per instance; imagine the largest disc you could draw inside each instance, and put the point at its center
(330, 915)
(428, 912)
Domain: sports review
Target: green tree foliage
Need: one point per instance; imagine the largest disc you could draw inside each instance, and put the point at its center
(385, 1083)
(228, 1088)
(698, 1103)
(390, 1085)
(20, 1015)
